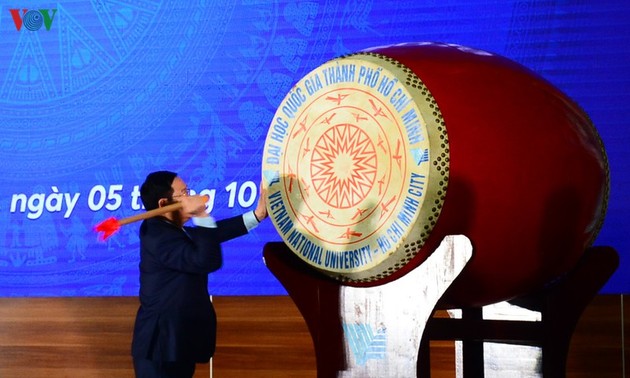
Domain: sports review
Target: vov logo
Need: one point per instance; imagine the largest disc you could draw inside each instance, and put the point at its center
(33, 19)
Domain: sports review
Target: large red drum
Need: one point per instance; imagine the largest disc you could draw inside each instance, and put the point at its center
(504, 158)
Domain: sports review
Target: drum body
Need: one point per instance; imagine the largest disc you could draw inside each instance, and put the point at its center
(501, 156)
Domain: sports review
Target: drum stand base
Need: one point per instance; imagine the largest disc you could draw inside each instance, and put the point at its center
(385, 331)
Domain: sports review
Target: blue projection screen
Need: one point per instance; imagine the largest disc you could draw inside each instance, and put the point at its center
(96, 94)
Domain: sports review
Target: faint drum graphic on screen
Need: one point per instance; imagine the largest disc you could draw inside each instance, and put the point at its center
(356, 152)
(67, 61)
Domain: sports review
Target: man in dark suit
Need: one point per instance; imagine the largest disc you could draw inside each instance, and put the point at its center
(176, 324)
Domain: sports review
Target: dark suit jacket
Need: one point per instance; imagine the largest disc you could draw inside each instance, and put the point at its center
(176, 320)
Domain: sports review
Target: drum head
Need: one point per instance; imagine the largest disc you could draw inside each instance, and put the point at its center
(356, 165)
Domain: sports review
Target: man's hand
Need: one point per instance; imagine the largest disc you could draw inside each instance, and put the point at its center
(261, 207)
(194, 206)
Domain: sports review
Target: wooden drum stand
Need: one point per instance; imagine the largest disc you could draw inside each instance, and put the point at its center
(385, 330)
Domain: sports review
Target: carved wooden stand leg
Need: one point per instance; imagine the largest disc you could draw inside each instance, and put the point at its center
(372, 331)
(561, 306)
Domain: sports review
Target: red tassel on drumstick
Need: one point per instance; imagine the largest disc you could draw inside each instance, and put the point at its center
(109, 226)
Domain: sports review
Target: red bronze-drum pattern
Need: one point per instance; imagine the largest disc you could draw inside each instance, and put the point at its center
(528, 179)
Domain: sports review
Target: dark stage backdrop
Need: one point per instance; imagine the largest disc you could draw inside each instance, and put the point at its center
(96, 94)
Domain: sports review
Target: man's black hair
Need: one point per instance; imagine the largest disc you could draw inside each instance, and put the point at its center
(157, 185)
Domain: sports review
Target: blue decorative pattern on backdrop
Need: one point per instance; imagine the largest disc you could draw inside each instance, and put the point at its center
(95, 95)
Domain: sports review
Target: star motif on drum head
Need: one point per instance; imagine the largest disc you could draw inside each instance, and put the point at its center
(344, 166)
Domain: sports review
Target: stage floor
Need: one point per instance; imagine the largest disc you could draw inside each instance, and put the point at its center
(257, 337)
